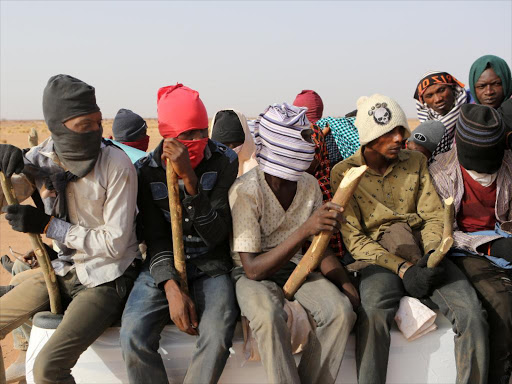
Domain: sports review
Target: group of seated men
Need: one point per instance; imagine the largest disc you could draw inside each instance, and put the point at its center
(253, 196)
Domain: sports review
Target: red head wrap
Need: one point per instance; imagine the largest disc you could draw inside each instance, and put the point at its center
(179, 110)
(313, 102)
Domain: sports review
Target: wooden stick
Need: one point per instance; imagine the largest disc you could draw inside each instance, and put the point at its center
(446, 243)
(40, 251)
(33, 138)
(176, 225)
(315, 253)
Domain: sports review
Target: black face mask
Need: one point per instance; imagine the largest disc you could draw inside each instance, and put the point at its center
(64, 98)
(77, 151)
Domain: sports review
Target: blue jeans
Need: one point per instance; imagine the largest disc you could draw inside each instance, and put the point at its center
(147, 312)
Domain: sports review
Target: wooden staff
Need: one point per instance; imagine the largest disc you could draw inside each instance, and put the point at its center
(315, 253)
(176, 225)
(40, 251)
(446, 243)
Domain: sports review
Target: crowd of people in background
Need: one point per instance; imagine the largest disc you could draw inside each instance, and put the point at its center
(254, 194)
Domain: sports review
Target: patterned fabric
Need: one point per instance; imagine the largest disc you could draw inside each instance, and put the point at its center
(344, 132)
(434, 78)
(448, 181)
(404, 194)
(332, 149)
(426, 113)
(259, 221)
(322, 174)
(281, 150)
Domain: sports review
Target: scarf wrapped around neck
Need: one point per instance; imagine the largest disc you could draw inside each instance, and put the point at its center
(426, 113)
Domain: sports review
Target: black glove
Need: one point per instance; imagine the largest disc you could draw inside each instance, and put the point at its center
(11, 159)
(502, 248)
(25, 218)
(419, 281)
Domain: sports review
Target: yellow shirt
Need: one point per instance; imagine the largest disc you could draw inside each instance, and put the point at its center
(404, 193)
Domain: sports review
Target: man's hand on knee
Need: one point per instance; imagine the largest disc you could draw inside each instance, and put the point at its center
(419, 281)
(181, 308)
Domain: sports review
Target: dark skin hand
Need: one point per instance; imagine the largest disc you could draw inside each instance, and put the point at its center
(177, 153)
(181, 307)
(382, 151)
(326, 218)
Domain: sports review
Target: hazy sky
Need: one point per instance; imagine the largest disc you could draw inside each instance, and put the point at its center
(240, 54)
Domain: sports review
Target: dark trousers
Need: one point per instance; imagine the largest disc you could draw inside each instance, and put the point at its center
(495, 291)
(381, 291)
(89, 313)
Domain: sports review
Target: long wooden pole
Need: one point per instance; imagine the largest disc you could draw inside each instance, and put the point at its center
(176, 225)
(315, 252)
(446, 243)
(40, 251)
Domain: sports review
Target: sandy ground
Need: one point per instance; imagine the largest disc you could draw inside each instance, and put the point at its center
(16, 133)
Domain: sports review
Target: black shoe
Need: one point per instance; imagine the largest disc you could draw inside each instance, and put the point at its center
(5, 288)
(7, 263)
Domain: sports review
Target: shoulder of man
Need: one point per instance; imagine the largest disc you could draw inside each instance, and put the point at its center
(339, 169)
(225, 152)
(116, 157)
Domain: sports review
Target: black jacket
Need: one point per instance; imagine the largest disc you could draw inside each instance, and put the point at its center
(206, 216)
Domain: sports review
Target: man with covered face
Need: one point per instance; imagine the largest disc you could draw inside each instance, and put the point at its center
(89, 191)
(206, 170)
(276, 208)
(394, 222)
(478, 174)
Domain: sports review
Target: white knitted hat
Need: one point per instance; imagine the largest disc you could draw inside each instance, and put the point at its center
(378, 115)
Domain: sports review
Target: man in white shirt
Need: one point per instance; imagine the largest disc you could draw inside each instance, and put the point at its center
(89, 191)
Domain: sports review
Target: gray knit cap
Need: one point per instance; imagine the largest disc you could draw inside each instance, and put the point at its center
(428, 134)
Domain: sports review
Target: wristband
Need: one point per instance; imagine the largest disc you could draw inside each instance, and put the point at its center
(403, 268)
(47, 225)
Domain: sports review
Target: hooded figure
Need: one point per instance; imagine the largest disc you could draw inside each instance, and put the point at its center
(449, 119)
(180, 110)
(65, 98)
(281, 148)
(229, 126)
(130, 129)
(313, 102)
(500, 68)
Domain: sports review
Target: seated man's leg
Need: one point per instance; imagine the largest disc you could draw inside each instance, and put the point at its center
(91, 311)
(457, 300)
(22, 302)
(262, 303)
(380, 291)
(495, 294)
(334, 318)
(214, 298)
(145, 315)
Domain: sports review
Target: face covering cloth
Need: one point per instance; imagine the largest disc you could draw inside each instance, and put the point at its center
(281, 150)
(65, 98)
(180, 110)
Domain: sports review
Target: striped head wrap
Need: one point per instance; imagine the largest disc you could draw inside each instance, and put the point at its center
(426, 113)
(480, 138)
(281, 150)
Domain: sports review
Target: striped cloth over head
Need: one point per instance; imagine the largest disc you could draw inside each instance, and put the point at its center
(426, 113)
(281, 150)
(344, 132)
